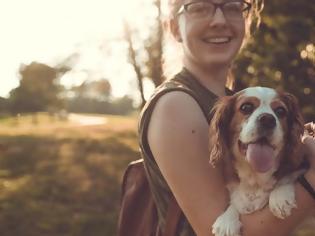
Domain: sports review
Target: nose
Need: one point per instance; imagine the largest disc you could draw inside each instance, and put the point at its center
(267, 121)
(218, 18)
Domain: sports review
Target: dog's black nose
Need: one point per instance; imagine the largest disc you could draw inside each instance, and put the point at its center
(267, 121)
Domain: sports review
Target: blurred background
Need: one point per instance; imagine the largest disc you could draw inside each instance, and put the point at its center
(74, 75)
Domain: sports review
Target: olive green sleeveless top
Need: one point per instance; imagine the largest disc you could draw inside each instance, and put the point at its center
(185, 82)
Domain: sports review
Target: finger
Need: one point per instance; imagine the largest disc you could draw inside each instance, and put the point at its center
(309, 129)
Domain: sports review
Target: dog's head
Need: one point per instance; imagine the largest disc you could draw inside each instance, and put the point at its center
(259, 127)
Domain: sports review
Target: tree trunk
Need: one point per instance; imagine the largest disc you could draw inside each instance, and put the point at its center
(136, 66)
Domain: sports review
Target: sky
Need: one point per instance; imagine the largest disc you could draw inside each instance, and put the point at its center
(48, 31)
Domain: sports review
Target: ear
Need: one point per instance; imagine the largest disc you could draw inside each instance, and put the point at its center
(296, 128)
(293, 150)
(222, 113)
(174, 28)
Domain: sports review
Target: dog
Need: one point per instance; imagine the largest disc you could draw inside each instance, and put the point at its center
(256, 135)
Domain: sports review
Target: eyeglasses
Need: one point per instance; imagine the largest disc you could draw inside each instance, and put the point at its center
(232, 10)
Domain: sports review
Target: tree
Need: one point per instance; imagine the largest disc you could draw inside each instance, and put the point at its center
(38, 89)
(94, 97)
(147, 60)
(3, 105)
(281, 54)
(135, 64)
(98, 89)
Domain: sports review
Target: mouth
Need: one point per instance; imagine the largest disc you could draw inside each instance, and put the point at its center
(260, 141)
(218, 40)
(260, 154)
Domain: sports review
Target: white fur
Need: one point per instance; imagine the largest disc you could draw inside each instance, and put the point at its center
(227, 224)
(282, 200)
(247, 200)
(255, 190)
(282, 197)
(249, 129)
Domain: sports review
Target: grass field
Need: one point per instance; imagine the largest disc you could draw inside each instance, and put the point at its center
(61, 178)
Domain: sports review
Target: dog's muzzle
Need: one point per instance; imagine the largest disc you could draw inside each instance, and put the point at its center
(266, 121)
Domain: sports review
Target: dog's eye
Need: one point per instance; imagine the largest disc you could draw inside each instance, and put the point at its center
(281, 112)
(247, 108)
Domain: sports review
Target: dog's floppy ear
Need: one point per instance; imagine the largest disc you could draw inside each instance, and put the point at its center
(296, 128)
(222, 113)
(293, 150)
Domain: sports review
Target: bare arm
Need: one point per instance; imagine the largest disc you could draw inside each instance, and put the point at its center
(178, 138)
(265, 223)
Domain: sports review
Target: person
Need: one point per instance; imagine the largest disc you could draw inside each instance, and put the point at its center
(173, 126)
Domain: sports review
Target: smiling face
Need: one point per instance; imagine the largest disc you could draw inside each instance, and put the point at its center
(209, 41)
(260, 127)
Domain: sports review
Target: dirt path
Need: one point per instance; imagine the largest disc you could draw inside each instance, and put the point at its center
(85, 120)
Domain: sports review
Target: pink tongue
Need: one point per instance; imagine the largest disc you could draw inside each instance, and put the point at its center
(260, 157)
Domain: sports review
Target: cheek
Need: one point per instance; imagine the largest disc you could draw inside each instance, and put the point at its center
(182, 31)
(238, 28)
(236, 127)
(187, 28)
(186, 35)
(249, 128)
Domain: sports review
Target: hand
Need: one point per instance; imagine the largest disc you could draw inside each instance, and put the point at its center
(308, 139)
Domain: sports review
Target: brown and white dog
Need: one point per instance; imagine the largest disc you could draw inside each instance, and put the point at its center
(256, 136)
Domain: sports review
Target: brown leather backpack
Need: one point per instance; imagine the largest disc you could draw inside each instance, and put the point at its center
(138, 214)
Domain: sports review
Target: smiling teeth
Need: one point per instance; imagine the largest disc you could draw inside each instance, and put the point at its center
(218, 40)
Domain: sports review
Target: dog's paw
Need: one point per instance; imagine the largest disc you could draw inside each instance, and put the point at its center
(282, 200)
(227, 224)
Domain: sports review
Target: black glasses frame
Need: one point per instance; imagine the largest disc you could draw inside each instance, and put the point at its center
(216, 6)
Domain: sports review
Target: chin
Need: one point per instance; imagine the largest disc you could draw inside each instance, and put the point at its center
(256, 135)
(219, 58)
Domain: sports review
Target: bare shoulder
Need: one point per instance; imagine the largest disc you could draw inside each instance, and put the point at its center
(179, 107)
(177, 120)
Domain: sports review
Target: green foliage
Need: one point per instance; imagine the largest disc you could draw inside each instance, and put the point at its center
(118, 106)
(38, 89)
(281, 54)
(3, 105)
(94, 97)
(97, 89)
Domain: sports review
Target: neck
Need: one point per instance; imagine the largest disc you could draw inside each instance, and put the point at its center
(212, 77)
